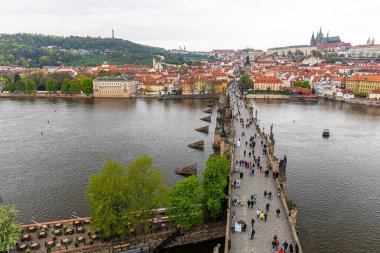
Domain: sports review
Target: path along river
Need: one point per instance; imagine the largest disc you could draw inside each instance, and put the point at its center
(335, 181)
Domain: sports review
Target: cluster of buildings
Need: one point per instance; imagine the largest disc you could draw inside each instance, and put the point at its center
(355, 73)
(128, 80)
(330, 46)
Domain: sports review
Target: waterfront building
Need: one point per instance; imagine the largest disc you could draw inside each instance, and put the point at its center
(266, 83)
(363, 83)
(114, 86)
(375, 94)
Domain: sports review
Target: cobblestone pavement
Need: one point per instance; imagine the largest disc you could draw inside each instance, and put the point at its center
(257, 184)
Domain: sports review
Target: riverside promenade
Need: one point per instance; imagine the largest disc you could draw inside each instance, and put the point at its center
(254, 185)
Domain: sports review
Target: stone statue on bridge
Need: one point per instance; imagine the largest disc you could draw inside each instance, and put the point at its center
(282, 167)
(271, 135)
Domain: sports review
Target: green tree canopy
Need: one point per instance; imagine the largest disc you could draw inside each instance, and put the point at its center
(30, 86)
(186, 199)
(214, 184)
(108, 199)
(304, 84)
(87, 86)
(120, 197)
(146, 188)
(65, 87)
(74, 87)
(9, 229)
(51, 85)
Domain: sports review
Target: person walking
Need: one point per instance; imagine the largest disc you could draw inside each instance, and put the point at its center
(253, 222)
(258, 213)
(291, 248)
(296, 247)
(262, 215)
(265, 216)
(278, 211)
(270, 194)
(285, 245)
(267, 207)
(265, 193)
(253, 233)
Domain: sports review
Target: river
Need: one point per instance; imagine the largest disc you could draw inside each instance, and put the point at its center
(335, 182)
(46, 175)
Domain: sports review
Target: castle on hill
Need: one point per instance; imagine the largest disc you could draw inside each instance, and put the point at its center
(321, 40)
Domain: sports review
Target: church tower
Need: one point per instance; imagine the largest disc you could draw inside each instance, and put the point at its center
(312, 41)
(319, 39)
(113, 34)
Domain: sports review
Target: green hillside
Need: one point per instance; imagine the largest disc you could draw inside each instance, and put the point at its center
(35, 50)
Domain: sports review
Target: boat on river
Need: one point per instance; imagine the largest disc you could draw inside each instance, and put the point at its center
(326, 133)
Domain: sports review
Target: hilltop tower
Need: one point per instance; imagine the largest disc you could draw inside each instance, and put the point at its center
(312, 41)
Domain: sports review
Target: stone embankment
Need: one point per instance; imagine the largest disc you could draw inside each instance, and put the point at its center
(45, 96)
(185, 96)
(266, 96)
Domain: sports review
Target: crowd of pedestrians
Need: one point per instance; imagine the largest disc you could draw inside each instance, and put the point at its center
(251, 161)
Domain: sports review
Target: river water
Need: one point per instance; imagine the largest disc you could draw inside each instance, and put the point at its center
(46, 175)
(335, 182)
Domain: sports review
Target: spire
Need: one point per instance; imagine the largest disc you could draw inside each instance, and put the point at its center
(312, 41)
(369, 41)
(373, 41)
(113, 34)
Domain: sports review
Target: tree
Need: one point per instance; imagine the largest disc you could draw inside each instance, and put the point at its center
(87, 86)
(65, 88)
(214, 184)
(16, 77)
(146, 188)
(30, 86)
(20, 85)
(51, 85)
(108, 199)
(304, 84)
(11, 87)
(9, 229)
(74, 87)
(186, 200)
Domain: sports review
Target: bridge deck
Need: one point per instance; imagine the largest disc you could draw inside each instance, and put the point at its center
(257, 184)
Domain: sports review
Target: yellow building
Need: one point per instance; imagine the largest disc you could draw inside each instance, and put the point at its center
(265, 83)
(114, 86)
(363, 83)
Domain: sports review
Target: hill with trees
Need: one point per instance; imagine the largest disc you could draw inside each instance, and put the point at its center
(36, 50)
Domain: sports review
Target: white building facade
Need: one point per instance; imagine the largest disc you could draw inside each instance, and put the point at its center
(110, 86)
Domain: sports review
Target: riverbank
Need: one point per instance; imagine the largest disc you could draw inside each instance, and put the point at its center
(267, 96)
(184, 96)
(82, 96)
(45, 96)
(357, 101)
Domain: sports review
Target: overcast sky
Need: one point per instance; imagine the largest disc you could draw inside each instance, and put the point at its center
(197, 24)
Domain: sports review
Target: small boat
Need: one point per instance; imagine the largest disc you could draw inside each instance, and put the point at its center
(326, 133)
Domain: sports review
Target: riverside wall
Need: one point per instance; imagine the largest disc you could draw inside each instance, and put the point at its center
(266, 96)
(45, 96)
